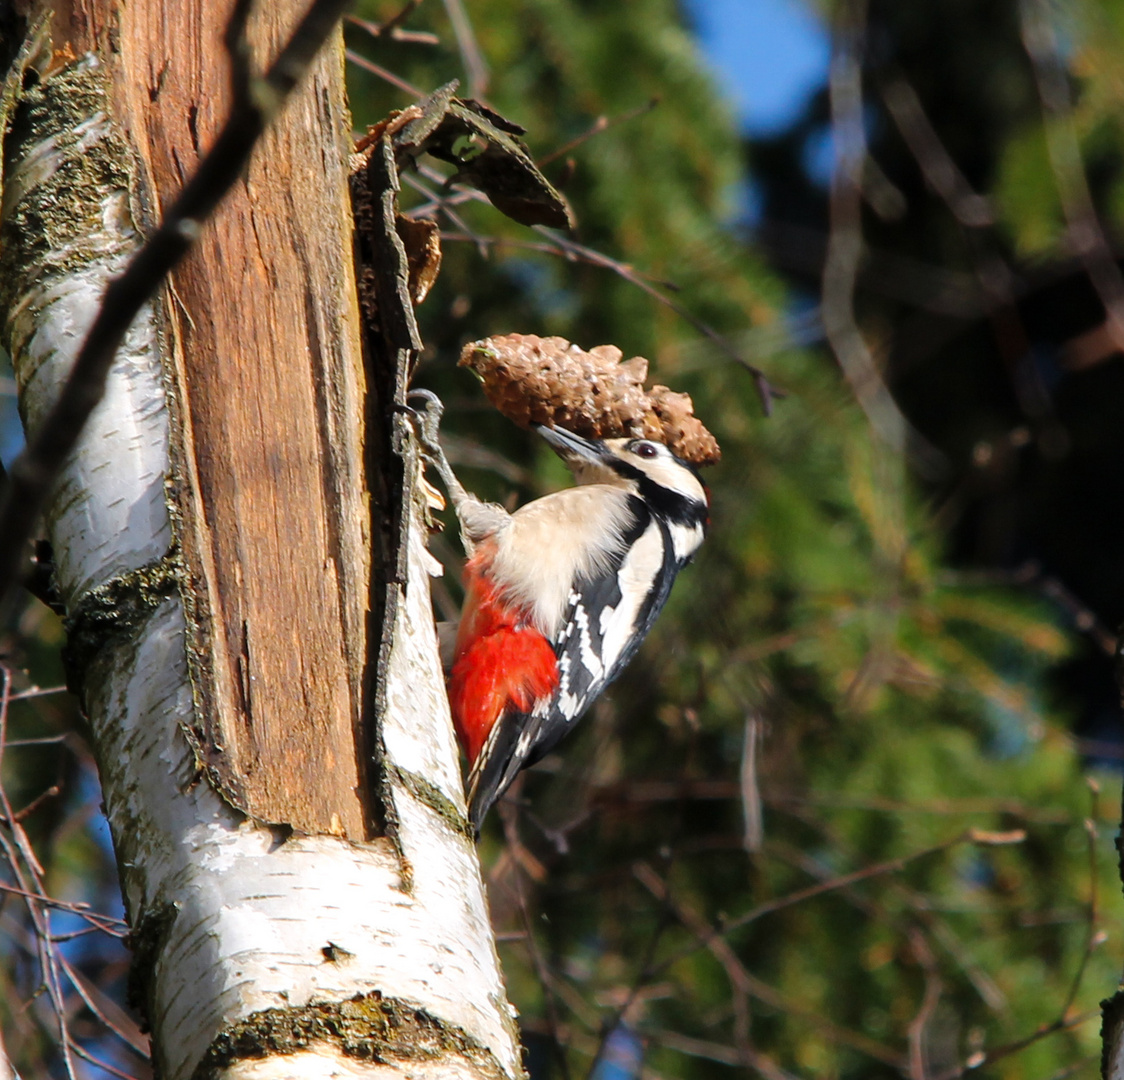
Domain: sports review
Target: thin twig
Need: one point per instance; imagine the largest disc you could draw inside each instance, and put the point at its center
(601, 124)
(46, 740)
(574, 251)
(657, 791)
(645, 977)
(34, 471)
(475, 66)
(392, 28)
(845, 249)
(941, 172)
(978, 1061)
(106, 924)
(929, 1002)
(38, 801)
(544, 248)
(922, 913)
(1030, 575)
(973, 213)
(27, 871)
(509, 814)
(1086, 237)
(735, 974)
(446, 207)
(85, 1055)
(1094, 937)
(750, 789)
(121, 1024)
(766, 391)
(942, 933)
(241, 56)
(980, 1058)
(31, 692)
(843, 881)
(704, 936)
(383, 73)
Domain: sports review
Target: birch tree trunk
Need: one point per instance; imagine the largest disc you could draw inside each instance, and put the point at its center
(211, 536)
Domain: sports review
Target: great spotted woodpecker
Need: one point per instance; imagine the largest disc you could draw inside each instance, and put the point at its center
(560, 593)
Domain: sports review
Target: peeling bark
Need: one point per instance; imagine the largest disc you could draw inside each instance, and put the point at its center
(260, 950)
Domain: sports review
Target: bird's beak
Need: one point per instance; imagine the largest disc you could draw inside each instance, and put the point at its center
(571, 448)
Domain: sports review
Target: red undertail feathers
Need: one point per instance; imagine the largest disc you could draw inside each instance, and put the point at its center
(501, 662)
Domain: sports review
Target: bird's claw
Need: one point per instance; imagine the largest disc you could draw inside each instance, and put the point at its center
(427, 422)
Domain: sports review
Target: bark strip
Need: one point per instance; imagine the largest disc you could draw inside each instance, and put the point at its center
(267, 393)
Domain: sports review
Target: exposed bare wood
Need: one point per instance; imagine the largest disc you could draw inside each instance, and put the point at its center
(268, 396)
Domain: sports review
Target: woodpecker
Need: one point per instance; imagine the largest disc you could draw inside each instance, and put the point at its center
(559, 594)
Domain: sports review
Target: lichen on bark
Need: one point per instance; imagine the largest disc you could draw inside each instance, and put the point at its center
(368, 1027)
(62, 144)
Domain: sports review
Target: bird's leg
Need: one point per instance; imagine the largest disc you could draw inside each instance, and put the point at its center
(478, 519)
(427, 422)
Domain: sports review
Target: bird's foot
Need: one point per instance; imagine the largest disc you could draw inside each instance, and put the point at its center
(427, 423)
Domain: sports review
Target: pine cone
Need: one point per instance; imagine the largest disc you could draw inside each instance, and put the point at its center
(549, 381)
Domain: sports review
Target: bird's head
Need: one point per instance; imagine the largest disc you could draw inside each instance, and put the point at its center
(669, 485)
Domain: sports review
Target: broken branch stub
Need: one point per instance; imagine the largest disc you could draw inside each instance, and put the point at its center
(486, 149)
(531, 379)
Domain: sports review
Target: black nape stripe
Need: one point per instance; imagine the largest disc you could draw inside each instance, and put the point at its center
(671, 506)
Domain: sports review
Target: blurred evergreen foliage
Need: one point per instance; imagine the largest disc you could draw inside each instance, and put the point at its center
(903, 685)
(754, 856)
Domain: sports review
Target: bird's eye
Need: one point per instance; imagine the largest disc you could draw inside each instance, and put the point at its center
(645, 449)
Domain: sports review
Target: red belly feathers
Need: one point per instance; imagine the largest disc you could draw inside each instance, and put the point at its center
(500, 662)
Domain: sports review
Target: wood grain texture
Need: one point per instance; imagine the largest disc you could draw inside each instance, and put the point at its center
(267, 394)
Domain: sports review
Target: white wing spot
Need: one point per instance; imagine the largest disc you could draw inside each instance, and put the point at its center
(590, 659)
(523, 747)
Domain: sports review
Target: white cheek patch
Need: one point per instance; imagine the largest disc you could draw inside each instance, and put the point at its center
(685, 540)
(670, 474)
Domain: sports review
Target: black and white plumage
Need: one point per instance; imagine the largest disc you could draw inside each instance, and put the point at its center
(560, 594)
(613, 545)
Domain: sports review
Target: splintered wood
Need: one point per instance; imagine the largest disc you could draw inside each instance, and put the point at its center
(267, 388)
(531, 379)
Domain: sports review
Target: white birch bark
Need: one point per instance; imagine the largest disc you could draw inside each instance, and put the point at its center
(247, 936)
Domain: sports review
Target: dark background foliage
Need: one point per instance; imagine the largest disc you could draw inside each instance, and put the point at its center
(836, 819)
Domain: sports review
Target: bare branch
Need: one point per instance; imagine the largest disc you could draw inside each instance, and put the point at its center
(574, 251)
(1094, 936)
(1086, 237)
(754, 987)
(979, 1060)
(845, 249)
(510, 815)
(750, 790)
(942, 174)
(383, 73)
(929, 1001)
(765, 389)
(601, 124)
(974, 214)
(843, 881)
(475, 66)
(392, 28)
